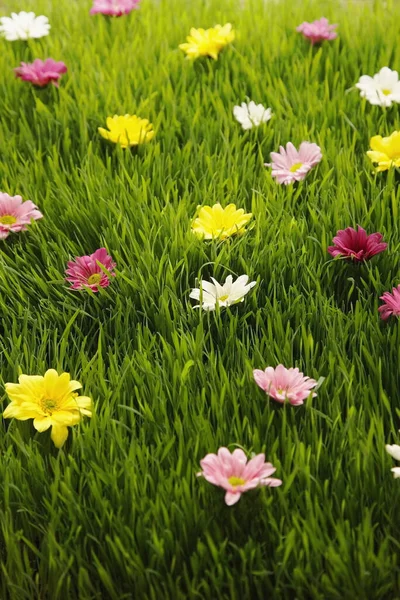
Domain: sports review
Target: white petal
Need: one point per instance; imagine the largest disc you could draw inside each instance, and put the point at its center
(393, 450)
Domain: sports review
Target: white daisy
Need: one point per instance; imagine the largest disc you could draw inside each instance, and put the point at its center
(23, 26)
(212, 294)
(382, 89)
(394, 451)
(251, 114)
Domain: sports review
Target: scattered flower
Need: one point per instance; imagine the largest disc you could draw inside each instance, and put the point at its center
(394, 451)
(291, 165)
(23, 26)
(114, 8)
(391, 304)
(385, 151)
(235, 474)
(213, 294)
(51, 400)
(216, 222)
(284, 384)
(86, 272)
(40, 73)
(251, 114)
(318, 31)
(127, 130)
(207, 42)
(382, 89)
(15, 214)
(357, 245)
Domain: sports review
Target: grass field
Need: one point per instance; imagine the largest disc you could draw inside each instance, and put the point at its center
(118, 513)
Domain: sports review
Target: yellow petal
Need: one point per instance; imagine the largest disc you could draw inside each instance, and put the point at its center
(59, 434)
(42, 424)
(104, 133)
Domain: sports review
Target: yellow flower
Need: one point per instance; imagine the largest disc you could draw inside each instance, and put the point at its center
(208, 42)
(127, 130)
(50, 400)
(217, 222)
(385, 151)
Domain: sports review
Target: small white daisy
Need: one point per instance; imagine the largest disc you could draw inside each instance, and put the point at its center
(382, 89)
(23, 26)
(394, 451)
(212, 294)
(251, 114)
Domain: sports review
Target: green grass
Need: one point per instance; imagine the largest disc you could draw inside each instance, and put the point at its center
(119, 513)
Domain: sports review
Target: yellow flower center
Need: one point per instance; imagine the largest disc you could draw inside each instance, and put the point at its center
(386, 92)
(234, 481)
(295, 167)
(49, 405)
(223, 298)
(94, 279)
(8, 220)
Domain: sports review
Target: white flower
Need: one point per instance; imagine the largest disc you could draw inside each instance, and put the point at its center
(212, 294)
(251, 114)
(382, 89)
(394, 451)
(23, 26)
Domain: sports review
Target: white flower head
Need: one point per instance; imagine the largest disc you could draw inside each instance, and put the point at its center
(211, 295)
(394, 451)
(251, 115)
(382, 89)
(23, 26)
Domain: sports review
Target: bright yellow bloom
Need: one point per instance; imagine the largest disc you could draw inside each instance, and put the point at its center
(50, 400)
(127, 130)
(385, 151)
(208, 42)
(217, 222)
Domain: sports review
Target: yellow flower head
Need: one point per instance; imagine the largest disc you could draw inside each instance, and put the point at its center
(385, 151)
(216, 222)
(127, 130)
(208, 42)
(50, 400)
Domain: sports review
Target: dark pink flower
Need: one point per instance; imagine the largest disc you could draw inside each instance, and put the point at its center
(391, 304)
(318, 31)
(15, 215)
(114, 8)
(85, 271)
(357, 245)
(41, 73)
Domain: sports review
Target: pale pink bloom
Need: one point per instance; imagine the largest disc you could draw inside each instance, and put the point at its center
(292, 165)
(40, 73)
(357, 245)
(391, 304)
(114, 8)
(284, 384)
(15, 214)
(234, 474)
(85, 271)
(318, 31)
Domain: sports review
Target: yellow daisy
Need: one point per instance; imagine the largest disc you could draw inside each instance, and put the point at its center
(127, 130)
(216, 222)
(207, 42)
(385, 151)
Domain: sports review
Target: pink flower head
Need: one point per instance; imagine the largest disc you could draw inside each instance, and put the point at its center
(391, 304)
(85, 271)
(357, 245)
(293, 165)
(284, 384)
(41, 72)
(234, 474)
(114, 8)
(15, 214)
(318, 31)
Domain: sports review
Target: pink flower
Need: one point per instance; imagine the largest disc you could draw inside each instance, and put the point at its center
(15, 214)
(41, 73)
(318, 31)
(284, 384)
(114, 8)
(234, 474)
(357, 245)
(85, 271)
(391, 304)
(291, 165)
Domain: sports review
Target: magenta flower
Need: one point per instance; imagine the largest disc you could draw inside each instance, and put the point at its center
(284, 384)
(15, 214)
(114, 8)
(85, 271)
(234, 474)
(291, 165)
(318, 31)
(357, 245)
(391, 304)
(40, 73)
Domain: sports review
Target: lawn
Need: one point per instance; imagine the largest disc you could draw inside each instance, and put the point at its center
(118, 513)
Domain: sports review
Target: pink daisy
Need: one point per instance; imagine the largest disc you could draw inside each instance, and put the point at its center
(15, 214)
(318, 31)
(391, 304)
(235, 474)
(85, 271)
(291, 165)
(40, 73)
(114, 8)
(357, 245)
(284, 384)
